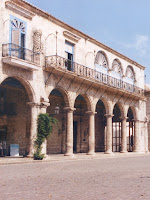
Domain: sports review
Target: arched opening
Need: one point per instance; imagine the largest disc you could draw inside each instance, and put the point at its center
(56, 143)
(116, 129)
(101, 62)
(100, 125)
(116, 69)
(130, 78)
(80, 126)
(130, 130)
(14, 118)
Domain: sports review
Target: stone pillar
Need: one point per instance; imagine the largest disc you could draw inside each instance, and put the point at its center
(109, 134)
(43, 108)
(146, 134)
(69, 150)
(136, 139)
(91, 133)
(124, 135)
(33, 128)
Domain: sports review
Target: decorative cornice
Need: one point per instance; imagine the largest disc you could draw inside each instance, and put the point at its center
(71, 36)
(19, 10)
(53, 19)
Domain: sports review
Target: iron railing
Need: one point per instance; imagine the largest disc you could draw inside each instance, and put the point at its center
(81, 70)
(13, 50)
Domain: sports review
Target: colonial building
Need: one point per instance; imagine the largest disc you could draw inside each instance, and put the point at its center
(95, 92)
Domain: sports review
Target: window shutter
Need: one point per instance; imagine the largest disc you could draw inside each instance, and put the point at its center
(69, 48)
(15, 36)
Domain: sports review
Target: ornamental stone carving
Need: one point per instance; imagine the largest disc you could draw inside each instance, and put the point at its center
(37, 44)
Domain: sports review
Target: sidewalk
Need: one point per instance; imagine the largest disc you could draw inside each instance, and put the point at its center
(61, 157)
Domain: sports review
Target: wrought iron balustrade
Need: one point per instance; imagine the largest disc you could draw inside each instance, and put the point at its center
(81, 70)
(13, 50)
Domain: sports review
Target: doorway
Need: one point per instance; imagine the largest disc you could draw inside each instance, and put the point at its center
(116, 129)
(116, 137)
(75, 125)
(130, 136)
(3, 138)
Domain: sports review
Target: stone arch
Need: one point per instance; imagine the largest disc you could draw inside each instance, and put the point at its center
(26, 84)
(65, 94)
(134, 111)
(99, 53)
(88, 100)
(107, 105)
(122, 109)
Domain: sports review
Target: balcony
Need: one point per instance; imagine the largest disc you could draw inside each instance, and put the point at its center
(81, 71)
(21, 57)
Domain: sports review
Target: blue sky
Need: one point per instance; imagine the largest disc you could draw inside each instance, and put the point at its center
(123, 25)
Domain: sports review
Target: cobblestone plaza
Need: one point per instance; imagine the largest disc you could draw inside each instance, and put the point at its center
(118, 178)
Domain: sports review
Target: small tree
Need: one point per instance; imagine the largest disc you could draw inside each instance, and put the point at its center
(45, 124)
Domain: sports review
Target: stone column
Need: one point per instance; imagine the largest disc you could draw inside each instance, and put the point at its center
(109, 134)
(43, 108)
(146, 134)
(69, 150)
(91, 133)
(33, 128)
(124, 135)
(136, 140)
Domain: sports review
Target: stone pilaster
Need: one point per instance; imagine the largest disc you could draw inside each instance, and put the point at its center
(124, 135)
(33, 129)
(136, 140)
(43, 108)
(109, 134)
(69, 145)
(146, 134)
(91, 133)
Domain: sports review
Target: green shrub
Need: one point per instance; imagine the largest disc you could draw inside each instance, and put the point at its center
(44, 128)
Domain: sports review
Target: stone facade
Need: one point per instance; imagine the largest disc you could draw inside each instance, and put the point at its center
(99, 92)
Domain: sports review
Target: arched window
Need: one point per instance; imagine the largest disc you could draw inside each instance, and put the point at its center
(101, 63)
(116, 69)
(130, 78)
(130, 73)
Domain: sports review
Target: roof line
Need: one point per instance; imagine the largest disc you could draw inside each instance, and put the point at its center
(48, 16)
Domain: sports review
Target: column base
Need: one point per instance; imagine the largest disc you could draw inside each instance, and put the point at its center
(30, 156)
(91, 153)
(123, 151)
(45, 157)
(108, 152)
(137, 151)
(69, 154)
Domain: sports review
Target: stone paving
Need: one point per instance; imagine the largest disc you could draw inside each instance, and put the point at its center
(105, 178)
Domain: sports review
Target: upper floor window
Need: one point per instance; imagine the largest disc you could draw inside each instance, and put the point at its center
(69, 52)
(101, 63)
(116, 69)
(17, 31)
